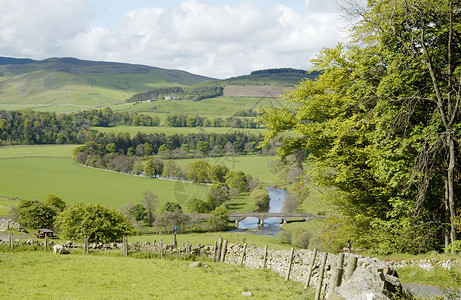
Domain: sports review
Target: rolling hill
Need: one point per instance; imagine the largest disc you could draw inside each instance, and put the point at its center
(74, 82)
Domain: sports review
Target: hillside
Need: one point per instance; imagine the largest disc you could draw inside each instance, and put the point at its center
(70, 81)
(269, 83)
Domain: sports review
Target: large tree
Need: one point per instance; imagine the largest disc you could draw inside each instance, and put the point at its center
(381, 124)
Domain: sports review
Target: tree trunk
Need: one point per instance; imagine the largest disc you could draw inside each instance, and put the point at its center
(446, 227)
(451, 190)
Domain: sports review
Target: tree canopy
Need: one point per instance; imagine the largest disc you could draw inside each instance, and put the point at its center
(381, 124)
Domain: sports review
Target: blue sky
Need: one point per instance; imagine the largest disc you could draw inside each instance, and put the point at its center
(216, 38)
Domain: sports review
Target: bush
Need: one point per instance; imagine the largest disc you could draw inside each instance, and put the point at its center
(302, 240)
(283, 237)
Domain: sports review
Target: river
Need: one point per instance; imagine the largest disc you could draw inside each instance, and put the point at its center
(271, 225)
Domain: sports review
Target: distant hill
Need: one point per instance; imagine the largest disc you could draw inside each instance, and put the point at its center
(71, 81)
(261, 83)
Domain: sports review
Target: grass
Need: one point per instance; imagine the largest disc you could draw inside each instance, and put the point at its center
(436, 276)
(41, 275)
(37, 171)
(215, 107)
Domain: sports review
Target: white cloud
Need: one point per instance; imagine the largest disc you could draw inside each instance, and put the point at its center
(218, 40)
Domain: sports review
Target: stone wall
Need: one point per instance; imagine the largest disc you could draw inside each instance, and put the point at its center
(6, 224)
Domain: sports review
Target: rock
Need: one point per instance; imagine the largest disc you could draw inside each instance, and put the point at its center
(249, 294)
(197, 264)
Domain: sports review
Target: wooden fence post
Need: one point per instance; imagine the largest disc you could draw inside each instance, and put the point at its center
(215, 248)
(10, 240)
(322, 271)
(336, 274)
(85, 245)
(265, 256)
(311, 268)
(223, 251)
(290, 262)
(125, 246)
(47, 243)
(161, 249)
(218, 255)
(187, 248)
(351, 266)
(243, 254)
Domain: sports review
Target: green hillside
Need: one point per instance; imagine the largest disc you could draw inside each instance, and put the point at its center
(74, 82)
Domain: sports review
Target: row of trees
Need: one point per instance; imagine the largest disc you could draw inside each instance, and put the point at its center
(180, 120)
(34, 127)
(196, 92)
(381, 124)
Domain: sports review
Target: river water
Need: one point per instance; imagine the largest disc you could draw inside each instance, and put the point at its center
(271, 226)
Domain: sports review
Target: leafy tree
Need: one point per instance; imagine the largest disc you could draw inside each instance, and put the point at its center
(95, 221)
(238, 180)
(198, 171)
(218, 218)
(55, 201)
(171, 169)
(150, 204)
(199, 206)
(217, 195)
(260, 197)
(169, 219)
(153, 167)
(217, 173)
(381, 124)
(170, 206)
(35, 214)
(137, 212)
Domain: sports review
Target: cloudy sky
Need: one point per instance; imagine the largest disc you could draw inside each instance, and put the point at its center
(216, 38)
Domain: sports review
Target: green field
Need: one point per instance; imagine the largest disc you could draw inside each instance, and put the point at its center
(36, 171)
(213, 107)
(133, 130)
(41, 275)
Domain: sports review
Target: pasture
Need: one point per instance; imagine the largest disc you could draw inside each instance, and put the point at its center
(42, 275)
(33, 172)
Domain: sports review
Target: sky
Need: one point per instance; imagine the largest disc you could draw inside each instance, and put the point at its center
(215, 38)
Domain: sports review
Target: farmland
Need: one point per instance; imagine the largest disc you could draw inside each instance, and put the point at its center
(37, 171)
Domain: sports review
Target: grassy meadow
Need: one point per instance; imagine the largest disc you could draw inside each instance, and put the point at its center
(37, 171)
(42, 275)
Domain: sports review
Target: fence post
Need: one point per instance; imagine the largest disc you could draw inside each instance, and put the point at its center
(10, 240)
(322, 271)
(243, 254)
(265, 256)
(85, 245)
(290, 262)
(311, 268)
(161, 249)
(337, 274)
(224, 249)
(47, 243)
(187, 248)
(215, 248)
(125, 246)
(351, 266)
(218, 256)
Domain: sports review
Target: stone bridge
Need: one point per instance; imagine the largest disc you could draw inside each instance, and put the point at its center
(261, 216)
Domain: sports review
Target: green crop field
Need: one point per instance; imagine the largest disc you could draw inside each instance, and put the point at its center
(41, 275)
(133, 130)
